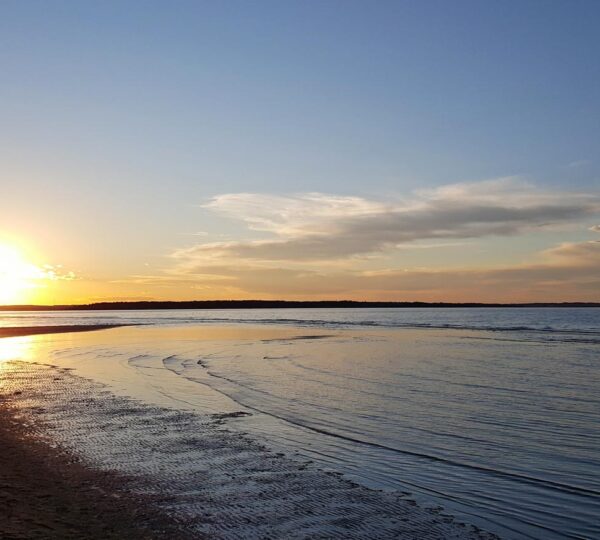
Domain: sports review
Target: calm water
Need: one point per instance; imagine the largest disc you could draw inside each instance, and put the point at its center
(492, 413)
(553, 321)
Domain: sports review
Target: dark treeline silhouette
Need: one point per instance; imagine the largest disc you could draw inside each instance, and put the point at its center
(277, 304)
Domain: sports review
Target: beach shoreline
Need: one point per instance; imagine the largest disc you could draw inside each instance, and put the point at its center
(47, 492)
(190, 469)
(21, 331)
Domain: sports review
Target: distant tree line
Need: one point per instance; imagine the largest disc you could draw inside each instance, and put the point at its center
(277, 304)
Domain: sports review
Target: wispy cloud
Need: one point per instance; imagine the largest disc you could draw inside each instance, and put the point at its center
(565, 272)
(321, 227)
(316, 240)
(56, 273)
(579, 163)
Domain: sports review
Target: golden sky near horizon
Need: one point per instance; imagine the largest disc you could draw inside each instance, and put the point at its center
(462, 242)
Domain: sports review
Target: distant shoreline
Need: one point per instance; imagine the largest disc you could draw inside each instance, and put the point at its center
(281, 304)
(19, 331)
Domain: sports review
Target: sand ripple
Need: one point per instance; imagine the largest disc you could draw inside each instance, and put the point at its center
(212, 479)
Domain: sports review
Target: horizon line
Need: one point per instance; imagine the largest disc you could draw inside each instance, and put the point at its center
(274, 304)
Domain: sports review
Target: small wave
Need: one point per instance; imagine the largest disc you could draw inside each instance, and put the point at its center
(545, 333)
(549, 484)
(333, 323)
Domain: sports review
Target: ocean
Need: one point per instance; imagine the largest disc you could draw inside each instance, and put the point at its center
(491, 413)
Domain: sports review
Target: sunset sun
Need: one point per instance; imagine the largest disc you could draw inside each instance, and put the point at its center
(17, 275)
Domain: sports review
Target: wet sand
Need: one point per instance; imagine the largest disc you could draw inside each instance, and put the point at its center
(46, 492)
(115, 467)
(15, 331)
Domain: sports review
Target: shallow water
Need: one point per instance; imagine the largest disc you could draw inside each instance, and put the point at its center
(491, 413)
(561, 323)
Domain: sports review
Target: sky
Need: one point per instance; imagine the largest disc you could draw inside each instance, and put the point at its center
(434, 151)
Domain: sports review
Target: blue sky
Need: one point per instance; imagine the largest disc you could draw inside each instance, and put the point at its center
(120, 119)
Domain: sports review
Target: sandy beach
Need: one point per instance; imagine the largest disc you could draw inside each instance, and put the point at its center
(113, 467)
(47, 492)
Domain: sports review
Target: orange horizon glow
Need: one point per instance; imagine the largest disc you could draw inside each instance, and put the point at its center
(20, 279)
(17, 275)
(25, 280)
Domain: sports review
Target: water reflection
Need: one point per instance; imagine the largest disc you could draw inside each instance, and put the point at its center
(15, 348)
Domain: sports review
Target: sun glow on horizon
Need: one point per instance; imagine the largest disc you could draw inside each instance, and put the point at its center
(18, 276)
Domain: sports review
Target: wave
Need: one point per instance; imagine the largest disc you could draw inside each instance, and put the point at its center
(340, 323)
(563, 326)
(532, 480)
(546, 333)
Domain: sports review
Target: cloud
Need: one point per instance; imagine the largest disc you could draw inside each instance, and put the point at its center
(595, 228)
(322, 227)
(567, 272)
(292, 216)
(56, 273)
(332, 246)
(579, 163)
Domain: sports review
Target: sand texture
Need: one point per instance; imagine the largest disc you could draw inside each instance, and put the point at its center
(47, 493)
(213, 481)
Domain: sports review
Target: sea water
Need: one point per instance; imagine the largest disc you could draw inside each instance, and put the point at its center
(491, 413)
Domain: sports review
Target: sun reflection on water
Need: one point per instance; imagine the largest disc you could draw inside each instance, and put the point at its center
(15, 348)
